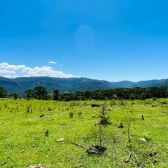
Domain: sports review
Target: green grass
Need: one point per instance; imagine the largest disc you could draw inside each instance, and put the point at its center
(22, 133)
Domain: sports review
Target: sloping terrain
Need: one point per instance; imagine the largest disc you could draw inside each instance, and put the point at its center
(19, 85)
(160, 83)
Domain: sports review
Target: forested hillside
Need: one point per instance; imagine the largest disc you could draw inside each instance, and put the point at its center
(19, 85)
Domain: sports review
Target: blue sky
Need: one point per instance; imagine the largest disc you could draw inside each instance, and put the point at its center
(110, 40)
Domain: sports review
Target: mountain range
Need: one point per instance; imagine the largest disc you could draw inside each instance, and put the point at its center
(19, 85)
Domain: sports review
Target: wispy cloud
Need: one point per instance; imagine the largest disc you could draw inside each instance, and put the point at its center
(13, 71)
(52, 62)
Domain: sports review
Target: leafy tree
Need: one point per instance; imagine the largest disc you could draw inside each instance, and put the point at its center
(15, 96)
(132, 97)
(56, 94)
(143, 96)
(87, 94)
(29, 93)
(40, 93)
(162, 90)
(49, 96)
(154, 91)
(3, 92)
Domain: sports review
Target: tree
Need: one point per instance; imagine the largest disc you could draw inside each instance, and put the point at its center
(132, 97)
(15, 96)
(87, 94)
(40, 93)
(29, 93)
(3, 92)
(143, 96)
(162, 91)
(49, 96)
(55, 94)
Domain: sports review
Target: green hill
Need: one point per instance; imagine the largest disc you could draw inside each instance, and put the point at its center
(19, 85)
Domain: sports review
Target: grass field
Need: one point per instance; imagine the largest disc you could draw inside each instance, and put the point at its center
(28, 139)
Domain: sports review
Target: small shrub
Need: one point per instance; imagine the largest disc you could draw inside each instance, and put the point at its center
(79, 113)
(49, 109)
(114, 138)
(154, 98)
(122, 102)
(132, 103)
(147, 102)
(95, 105)
(114, 102)
(28, 108)
(104, 118)
(85, 104)
(164, 102)
(71, 114)
(5, 105)
(121, 125)
(72, 104)
(128, 145)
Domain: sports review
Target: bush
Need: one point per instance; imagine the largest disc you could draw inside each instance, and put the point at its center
(79, 113)
(154, 98)
(28, 108)
(49, 108)
(71, 114)
(121, 125)
(104, 118)
(122, 102)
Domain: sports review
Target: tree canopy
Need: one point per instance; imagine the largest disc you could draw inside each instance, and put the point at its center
(3, 92)
(39, 92)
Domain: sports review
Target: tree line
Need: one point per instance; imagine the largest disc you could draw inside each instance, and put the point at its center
(40, 93)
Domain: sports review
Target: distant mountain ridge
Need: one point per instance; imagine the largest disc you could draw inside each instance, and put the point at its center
(148, 83)
(19, 85)
(124, 84)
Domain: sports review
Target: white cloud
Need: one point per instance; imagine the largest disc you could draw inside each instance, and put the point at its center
(5, 65)
(4, 71)
(7, 70)
(52, 62)
(10, 76)
(7, 76)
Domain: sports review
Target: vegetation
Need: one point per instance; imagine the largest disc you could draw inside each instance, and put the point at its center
(19, 85)
(33, 134)
(40, 92)
(3, 92)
